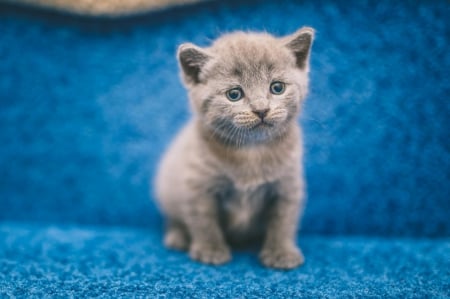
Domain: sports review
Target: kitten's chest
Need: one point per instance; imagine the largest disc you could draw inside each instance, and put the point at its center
(242, 209)
(250, 170)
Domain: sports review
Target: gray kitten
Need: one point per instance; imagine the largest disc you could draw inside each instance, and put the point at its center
(234, 173)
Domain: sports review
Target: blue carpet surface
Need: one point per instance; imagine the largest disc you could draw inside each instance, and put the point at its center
(87, 106)
(112, 262)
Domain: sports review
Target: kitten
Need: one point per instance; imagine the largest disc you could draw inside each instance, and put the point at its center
(234, 173)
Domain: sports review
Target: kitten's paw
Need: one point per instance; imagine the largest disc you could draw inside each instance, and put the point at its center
(176, 239)
(210, 253)
(281, 257)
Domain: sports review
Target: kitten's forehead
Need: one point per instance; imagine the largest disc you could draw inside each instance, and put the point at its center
(247, 55)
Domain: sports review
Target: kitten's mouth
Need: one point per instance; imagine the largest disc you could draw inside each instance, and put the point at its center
(262, 124)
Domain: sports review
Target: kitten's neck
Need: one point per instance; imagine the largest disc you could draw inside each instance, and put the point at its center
(250, 166)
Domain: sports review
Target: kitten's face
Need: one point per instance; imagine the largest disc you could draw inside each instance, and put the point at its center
(247, 87)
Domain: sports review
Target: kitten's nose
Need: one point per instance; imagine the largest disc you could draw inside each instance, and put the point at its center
(261, 113)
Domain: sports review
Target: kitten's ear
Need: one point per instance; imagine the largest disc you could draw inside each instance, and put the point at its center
(300, 44)
(192, 59)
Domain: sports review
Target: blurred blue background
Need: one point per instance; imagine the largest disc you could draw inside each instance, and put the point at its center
(88, 106)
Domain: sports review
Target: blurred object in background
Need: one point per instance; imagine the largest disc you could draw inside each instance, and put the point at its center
(112, 8)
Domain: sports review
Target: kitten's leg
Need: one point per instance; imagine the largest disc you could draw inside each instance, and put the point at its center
(207, 240)
(279, 248)
(176, 236)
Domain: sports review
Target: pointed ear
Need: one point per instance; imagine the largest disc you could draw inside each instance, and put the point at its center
(192, 59)
(300, 44)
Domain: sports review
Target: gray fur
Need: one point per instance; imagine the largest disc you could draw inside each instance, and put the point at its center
(230, 177)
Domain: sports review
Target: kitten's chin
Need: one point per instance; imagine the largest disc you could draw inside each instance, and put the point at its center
(242, 136)
(261, 125)
(264, 132)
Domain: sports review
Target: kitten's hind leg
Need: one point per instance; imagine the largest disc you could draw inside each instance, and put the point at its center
(176, 236)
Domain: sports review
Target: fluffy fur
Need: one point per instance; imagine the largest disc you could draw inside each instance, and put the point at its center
(234, 173)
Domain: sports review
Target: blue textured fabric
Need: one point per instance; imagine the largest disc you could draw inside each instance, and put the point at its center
(112, 262)
(87, 106)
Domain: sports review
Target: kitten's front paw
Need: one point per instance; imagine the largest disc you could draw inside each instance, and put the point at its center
(176, 239)
(282, 257)
(215, 254)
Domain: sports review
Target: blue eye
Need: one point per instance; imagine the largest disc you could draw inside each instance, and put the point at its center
(277, 87)
(235, 94)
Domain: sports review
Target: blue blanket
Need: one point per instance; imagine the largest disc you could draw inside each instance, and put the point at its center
(87, 106)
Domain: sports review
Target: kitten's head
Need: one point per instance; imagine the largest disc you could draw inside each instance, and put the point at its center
(247, 87)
